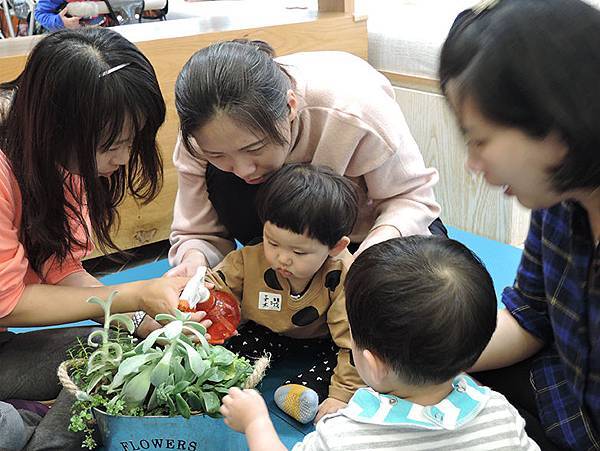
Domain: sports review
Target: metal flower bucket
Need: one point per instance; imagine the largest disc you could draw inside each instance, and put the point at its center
(198, 433)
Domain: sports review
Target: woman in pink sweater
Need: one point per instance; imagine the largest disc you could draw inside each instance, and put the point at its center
(78, 130)
(244, 114)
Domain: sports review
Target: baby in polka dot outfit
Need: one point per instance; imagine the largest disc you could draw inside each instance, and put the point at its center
(290, 286)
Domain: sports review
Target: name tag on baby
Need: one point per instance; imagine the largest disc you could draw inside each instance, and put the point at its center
(269, 301)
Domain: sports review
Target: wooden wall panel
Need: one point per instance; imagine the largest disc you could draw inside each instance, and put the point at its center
(467, 201)
(413, 82)
(346, 6)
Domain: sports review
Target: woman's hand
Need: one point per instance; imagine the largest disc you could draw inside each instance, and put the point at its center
(160, 295)
(187, 268)
(378, 235)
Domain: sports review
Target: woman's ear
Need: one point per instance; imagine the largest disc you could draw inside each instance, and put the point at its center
(292, 102)
(339, 246)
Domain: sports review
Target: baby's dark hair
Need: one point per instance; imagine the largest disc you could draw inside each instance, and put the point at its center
(425, 305)
(305, 198)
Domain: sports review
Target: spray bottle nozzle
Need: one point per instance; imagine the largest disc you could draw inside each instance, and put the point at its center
(195, 292)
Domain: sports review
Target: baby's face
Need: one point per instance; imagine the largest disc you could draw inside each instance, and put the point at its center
(294, 257)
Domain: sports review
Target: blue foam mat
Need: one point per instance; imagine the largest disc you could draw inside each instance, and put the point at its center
(500, 259)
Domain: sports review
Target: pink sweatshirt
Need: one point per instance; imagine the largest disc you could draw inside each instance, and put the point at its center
(15, 273)
(348, 120)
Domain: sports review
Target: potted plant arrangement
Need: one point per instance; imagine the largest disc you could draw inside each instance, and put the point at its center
(163, 392)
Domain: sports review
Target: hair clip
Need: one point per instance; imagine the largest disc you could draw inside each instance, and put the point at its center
(484, 5)
(113, 69)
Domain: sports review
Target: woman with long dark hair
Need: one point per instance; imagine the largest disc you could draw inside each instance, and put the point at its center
(522, 78)
(78, 131)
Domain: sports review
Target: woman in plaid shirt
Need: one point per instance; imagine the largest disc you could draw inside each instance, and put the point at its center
(523, 77)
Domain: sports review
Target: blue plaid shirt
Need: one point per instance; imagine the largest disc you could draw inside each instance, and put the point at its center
(556, 297)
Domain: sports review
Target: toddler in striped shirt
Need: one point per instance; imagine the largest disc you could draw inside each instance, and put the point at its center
(421, 312)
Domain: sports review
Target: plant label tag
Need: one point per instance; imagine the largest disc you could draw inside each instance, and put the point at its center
(269, 301)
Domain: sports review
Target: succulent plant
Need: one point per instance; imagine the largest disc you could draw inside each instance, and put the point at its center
(173, 371)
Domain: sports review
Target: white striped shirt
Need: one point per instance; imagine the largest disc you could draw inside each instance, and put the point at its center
(468, 419)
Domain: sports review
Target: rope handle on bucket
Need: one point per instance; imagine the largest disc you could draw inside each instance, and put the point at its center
(65, 379)
(260, 366)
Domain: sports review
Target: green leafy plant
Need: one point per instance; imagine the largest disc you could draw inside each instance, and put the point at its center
(167, 373)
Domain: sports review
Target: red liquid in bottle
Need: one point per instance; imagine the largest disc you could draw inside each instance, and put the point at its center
(224, 312)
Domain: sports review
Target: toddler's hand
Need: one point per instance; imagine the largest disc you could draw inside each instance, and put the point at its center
(149, 325)
(241, 408)
(69, 22)
(330, 405)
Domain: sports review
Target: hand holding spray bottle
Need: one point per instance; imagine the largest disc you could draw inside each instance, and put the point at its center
(220, 307)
